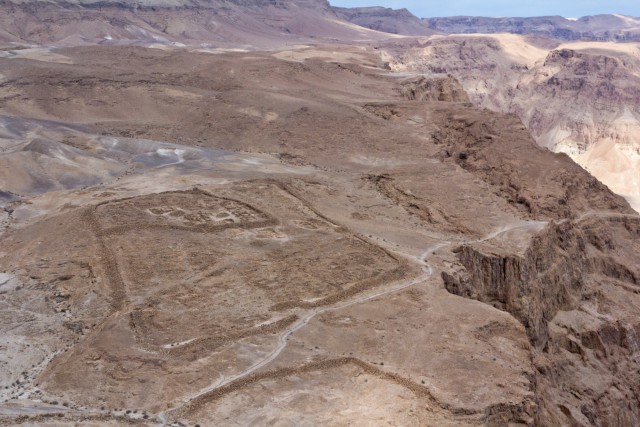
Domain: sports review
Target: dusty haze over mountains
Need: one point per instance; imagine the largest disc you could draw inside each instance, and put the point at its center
(276, 212)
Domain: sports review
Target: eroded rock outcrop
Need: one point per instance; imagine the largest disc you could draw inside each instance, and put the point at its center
(533, 286)
(575, 289)
(434, 89)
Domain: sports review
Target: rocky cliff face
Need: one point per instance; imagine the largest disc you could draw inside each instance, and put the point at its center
(587, 104)
(481, 147)
(563, 288)
(581, 99)
(574, 286)
(599, 27)
(605, 86)
(434, 89)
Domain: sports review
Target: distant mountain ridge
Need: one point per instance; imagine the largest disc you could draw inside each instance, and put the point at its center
(401, 21)
(266, 23)
(138, 4)
(219, 23)
(598, 27)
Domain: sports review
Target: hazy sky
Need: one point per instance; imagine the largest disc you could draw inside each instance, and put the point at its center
(515, 8)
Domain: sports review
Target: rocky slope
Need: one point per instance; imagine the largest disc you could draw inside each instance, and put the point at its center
(219, 23)
(394, 21)
(616, 28)
(577, 98)
(562, 284)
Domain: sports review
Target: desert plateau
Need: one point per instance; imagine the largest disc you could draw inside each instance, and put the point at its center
(285, 213)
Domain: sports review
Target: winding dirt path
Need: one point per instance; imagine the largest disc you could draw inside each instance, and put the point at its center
(231, 383)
